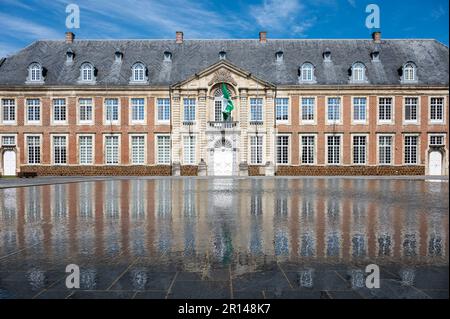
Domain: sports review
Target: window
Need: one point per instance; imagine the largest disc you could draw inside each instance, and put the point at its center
(307, 73)
(163, 110)
(409, 72)
(436, 140)
(138, 149)
(283, 149)
(359, 149)
(59, 149)
(163, 145)
(218, 110)
(34, 149)
(112, 149)
(385, 149)
(59, 110)
(85, 110)
(437, 109)
(189, 149)
(358, 72)
(9, 110)
(35, 73)
(334, 149)
(8, 140)
(189, 110)
(411, 143)
(85, 149)
(137, 110)
(307, 149)
(256, 110)
(112, 110)
(385, 109)
(334, 109)
(411, 109)
(138, 72)
(282, 109)
(34, 110)
(359, 109)
(256, 149)
(308, 105)
(87, 72)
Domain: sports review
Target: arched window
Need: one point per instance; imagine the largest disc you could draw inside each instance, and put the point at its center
(409, 72)
(35, 72)
(358, 72)
(138, 72)
(307, 72)
(87, 72)
(218, 105)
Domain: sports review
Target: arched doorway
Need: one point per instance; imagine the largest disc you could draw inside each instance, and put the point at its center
(9, 163)
(223, 158)
(435, 163)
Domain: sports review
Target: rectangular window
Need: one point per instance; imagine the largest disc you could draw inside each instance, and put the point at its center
(163, 109)
(189, 149)
(437, 109)
(189, 110)
(283, 149)
(34, 149)
(85, 110)
(9, 110)
(34, 110)
(218, 110)
(138, 149)
(282, 109)
(85, 149)
(411, 147)
(138, 110)
(334, 109)
(385, 109)
(112, 110)
(308, 149)
(334, 149)
(59, 110)
(436, 140)
(59, 149)
(256, 149)
(256, 110)
(411, 108)
(359, 149)
(359, 109)
(308, 105)
(8, 140)
(385, 150)
(163, 144)
(111, 149)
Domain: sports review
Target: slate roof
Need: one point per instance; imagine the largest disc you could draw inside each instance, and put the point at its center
(193, 56)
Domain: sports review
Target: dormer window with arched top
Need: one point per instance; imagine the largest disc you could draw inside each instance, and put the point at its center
(35, 73)
(307, 73)
(222, 55)
(358, 73)
(279, 56)
(409, 73)
(139, 73)
(87, 73)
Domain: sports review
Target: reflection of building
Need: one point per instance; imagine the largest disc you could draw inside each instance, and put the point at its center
(154, 107)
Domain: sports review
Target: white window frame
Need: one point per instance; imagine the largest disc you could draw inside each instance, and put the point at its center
(190, 155)
(288, 148)
(444, 103)
(443, 135)
(392, 153)
(359, 68)
(250, 109)
(157, 157)
(251, 147)
(288, 110)
(131, 112)
(53, 120)
(314, 106)
(334, 122)
(52, 147)
(136, 70)
(119, 148)
(366, 153)
(33, 122)
(163, 106)
(417, 120)
(392, 120)
(187, 103)
(8, 122)
(307, 71)
(35, 73)
(314, 149)
(131, 160)
(86, 122)
(13, 136)
(366, 111)
(27, 149)
(413, 67)
(92, 136)
(341, 141)
(90, 70)
(417, 149)
(111, 122)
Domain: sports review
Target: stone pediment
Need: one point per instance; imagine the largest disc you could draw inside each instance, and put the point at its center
(222, 75)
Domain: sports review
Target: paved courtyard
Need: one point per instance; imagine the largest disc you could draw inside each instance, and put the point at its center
(224, 238)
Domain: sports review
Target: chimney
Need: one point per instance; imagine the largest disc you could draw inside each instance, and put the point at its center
(376, 36)
(263, 37)
(70, 36)
(179, 37)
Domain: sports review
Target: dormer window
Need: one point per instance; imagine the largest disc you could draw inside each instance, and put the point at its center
(118, 56)
(327, 55)
(409, 72)
(139, 73)
(307, 73)
(375, 55)
(222, 55)
(69, 56)
(279, 56)
(358, 73)
(87, 72)
(167, 56)
(35, 73)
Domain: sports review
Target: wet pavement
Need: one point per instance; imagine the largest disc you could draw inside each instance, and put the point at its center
(225, 238)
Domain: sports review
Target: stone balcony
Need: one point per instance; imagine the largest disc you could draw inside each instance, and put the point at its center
(222, 125)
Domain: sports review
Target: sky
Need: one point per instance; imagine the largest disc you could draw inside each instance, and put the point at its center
(22, 22)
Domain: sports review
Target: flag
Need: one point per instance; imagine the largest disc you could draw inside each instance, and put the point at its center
(227, 99)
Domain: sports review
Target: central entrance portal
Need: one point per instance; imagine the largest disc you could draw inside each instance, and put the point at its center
(223, 160)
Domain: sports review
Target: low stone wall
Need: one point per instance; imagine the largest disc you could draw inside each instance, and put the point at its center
(189, 170)
(349, 170)
(161, 170)
(255, 170)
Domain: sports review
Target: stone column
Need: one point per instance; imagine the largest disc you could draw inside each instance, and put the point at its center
(269, 124)
(243, 121)
(202, 142)
(176, 125)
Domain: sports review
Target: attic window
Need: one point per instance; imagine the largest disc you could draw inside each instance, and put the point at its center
(409, 72)
(307, 73)
(327, 55)
(279, 56)
(222, 55)
(358, 72)
(167, 56)
(375, 55)
(87, 72)
(69, 56)
(35, 73)
(139, 73)
(118, 56)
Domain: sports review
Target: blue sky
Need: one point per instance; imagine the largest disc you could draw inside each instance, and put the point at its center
(22, 22)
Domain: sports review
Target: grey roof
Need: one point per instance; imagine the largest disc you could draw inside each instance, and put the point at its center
(193, 56)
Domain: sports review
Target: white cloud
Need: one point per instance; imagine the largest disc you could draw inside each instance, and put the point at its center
(352, 3)
(25, 29)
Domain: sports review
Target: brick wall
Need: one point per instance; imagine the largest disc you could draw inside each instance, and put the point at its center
(349, 170)
(162, 170)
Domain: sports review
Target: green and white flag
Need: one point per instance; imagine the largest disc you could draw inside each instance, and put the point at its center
(227, 99)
